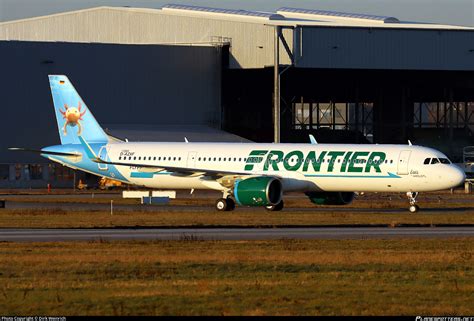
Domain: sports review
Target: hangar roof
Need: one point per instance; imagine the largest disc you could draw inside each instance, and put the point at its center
(283, 16)
(317, 38)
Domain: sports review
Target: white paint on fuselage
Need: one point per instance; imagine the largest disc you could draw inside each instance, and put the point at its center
(414, 176)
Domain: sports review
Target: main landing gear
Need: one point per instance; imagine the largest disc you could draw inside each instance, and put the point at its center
(276, 207)
(225, 204)
(412, 199)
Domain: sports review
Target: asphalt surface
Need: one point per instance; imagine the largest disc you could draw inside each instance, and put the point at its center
(48, 235)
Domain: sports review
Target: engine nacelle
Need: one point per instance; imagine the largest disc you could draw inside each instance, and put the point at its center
(331, 198)
(258, 191)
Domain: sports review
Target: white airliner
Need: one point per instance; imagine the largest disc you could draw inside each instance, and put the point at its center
(249, 174)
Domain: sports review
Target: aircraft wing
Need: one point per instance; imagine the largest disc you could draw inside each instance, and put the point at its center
(184, 171)
(175, 169)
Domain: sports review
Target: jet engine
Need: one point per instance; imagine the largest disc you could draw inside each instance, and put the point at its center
(331, 198)
(258, 191)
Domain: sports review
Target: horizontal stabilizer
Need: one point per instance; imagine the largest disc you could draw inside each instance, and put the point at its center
(18, 149)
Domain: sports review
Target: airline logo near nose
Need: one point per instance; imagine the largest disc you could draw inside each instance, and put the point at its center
(330, 161)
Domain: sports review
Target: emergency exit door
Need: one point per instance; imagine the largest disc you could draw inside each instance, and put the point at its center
(191, 161)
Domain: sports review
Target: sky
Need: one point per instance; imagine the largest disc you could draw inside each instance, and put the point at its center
(455, 12)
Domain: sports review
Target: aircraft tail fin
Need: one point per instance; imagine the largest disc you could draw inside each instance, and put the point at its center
(73, 117)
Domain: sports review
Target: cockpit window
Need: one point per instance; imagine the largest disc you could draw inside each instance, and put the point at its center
(427, 161)
(444, 161)
(434, 161)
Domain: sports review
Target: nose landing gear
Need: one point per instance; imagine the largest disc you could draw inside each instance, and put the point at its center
(412, 199)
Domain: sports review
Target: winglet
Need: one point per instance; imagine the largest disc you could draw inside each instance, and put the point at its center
(312, 140)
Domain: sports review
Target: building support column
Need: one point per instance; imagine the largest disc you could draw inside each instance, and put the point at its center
(451, 121)
(276, 86)
(11, 173)
(45, 172)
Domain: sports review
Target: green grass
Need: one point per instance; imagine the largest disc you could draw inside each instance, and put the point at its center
(284, 277)
(202, 216)
(370, 209)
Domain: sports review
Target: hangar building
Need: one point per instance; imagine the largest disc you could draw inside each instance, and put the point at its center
(209, 74)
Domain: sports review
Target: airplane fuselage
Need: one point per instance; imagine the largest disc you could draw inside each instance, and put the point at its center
(300, 167)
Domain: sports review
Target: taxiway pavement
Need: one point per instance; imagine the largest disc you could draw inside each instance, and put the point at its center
(50, 235)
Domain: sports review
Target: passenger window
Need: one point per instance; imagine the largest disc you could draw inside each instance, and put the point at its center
(427, 161)
(434, 161)
(154, 158)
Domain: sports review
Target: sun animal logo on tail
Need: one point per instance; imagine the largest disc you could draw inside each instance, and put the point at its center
(72, 115)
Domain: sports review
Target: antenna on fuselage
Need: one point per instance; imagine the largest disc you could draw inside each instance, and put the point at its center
(312, 140)
(409, 143)
(186, 140)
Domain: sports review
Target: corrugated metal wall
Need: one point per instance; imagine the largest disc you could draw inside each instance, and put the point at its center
(122, 84)
(373, 48)
(251, 43)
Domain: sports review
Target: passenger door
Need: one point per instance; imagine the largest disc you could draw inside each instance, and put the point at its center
(104, 155)
(403, 161)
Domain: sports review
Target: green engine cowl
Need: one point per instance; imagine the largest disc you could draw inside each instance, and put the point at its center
(331, 198)
(258, 191)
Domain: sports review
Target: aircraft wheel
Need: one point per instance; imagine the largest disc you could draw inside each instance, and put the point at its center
(414, 208)
(221, 204)
(230, 204)
(225, 204)
(276, 207)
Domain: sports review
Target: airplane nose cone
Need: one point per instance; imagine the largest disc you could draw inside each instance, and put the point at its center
(458, 176)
